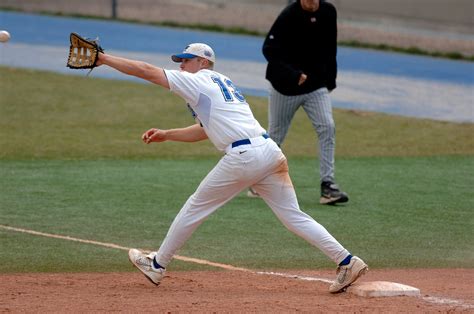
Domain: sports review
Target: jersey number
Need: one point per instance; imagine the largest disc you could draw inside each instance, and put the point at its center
(228, 93)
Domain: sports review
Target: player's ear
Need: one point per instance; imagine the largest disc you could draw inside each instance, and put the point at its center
(210, 64)
(205, 64)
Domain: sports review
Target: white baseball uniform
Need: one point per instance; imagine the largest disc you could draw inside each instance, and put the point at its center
(251, 159)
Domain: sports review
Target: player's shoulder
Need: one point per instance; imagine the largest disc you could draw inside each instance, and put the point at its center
(198, 74)
(210, 73)
(205, 74)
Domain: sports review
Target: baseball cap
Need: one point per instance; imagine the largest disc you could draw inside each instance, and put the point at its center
(195, 50)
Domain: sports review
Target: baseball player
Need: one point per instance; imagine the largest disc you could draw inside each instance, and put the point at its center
(250, 158)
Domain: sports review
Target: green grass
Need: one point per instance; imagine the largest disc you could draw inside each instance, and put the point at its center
(399, 215)
(50, 116)
(72, 163)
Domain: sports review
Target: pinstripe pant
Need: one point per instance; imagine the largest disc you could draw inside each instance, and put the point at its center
(317, 106)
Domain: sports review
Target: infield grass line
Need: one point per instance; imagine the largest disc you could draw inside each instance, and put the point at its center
(428, 299)
(178, 257)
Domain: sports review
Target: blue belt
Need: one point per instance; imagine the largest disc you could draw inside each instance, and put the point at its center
(246, 141)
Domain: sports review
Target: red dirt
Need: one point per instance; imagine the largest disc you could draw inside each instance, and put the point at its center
(230, 291)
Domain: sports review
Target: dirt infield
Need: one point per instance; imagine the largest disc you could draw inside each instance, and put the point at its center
(442, 290)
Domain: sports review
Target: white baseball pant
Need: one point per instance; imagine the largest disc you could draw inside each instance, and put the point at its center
(262, 165)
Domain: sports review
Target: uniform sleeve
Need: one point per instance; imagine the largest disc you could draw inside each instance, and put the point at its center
(184, 84)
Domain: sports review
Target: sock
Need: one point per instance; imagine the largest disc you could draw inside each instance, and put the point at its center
(346, 261)
(156, 265)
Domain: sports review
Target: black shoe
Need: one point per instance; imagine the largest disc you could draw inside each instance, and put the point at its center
(330, 194)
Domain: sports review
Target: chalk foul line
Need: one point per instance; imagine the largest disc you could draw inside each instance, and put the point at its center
(178, 257)
(429, 299)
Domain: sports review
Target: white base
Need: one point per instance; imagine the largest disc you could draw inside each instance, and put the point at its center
(382, 289)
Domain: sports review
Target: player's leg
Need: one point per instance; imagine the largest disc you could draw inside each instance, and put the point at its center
(222, 184)
(277, 191)
(318, 107)
(219, 186)
(281, 110)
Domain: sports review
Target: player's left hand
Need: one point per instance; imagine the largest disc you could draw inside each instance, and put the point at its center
(100, 58)
(154, 135)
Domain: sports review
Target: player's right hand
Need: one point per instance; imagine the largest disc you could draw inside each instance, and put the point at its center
(154, 135)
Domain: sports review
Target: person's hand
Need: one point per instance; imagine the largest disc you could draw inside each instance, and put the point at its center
(154, 135)
(100, 56)
(303, 78)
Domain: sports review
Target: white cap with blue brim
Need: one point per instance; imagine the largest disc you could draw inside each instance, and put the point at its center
(195, 50)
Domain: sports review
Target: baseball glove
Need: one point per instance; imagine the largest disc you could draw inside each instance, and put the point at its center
(83, 52)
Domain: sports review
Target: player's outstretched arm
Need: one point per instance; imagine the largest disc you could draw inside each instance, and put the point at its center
(193, 133)
(136, 68)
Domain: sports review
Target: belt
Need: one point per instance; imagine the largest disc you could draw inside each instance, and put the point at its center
(246, 141)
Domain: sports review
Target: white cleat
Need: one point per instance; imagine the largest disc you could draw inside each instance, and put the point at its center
(347, 274)
(144, 263)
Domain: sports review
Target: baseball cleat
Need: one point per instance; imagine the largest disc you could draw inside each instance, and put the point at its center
(252, 193)
(144, 263)
(331, 195)
(347, 274)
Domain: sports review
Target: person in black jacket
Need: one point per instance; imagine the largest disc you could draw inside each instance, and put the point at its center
(301, 49)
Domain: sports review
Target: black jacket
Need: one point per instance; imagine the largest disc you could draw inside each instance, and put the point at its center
(302, 42)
